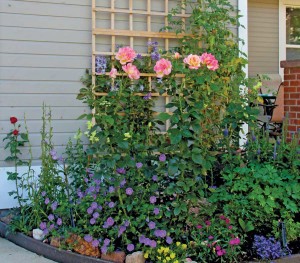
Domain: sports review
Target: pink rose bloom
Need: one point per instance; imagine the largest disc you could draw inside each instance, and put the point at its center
(193, 61)
(210, 61)
(113, 73)
(132, 71)
(125, 55)
(162, 67)
(176, 55)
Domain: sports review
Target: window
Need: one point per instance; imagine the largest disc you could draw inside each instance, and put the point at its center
(292, 33)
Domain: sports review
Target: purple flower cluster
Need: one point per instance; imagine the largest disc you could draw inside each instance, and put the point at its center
(129, 191)
(90, 239)
(101, 64)
(121, 170)
(106, 243)
(130, 247)
(267, 248)
(160, 233)
(156, 211)
(147, 241)
(153, 46)
(139, 165)
(148, 96)
(153, 199)
(162, 157)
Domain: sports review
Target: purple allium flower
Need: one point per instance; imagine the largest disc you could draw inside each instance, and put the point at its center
(129, 191)
(96, 215)
(95, 243)
(110, 221)
(151, 225)
(111, 189)
(121, 170)
(130, 247)
(169, 240)
(156, 211)
(153, 243)
(152, 199)
(88, 238)
(51, 217)
(92, 221)
(104, 249)
(43, 193)
(54, 206)
(162, 158)
(90, 210)
(43, 225)
(154, 178)
(111, 204)
(59, 221)
(139, 165)
(100, 64)
(121, 230)
(106, 241)
(94, 205)
(47, 201)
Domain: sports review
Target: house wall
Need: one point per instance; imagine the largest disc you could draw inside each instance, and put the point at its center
(44, 50)
(263, 33)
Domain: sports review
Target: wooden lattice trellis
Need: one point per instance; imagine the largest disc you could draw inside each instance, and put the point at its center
(132, 33)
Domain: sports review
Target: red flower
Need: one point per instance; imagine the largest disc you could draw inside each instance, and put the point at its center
(15, 132)
(13, 120)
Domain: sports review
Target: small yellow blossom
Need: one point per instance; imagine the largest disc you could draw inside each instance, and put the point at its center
(178, 244)
(89, 125)
(93, 137)
(167, 249)
(159, 258)
(127, 136)
(164, 261)
(184, 246)
(176, 261)
(107, 140)
(146, 255)
(168, 258)
(172, 255)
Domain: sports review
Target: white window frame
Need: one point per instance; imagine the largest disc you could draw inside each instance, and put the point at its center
(283, 4)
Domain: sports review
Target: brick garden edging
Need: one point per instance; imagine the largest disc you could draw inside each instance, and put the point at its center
(292, 93)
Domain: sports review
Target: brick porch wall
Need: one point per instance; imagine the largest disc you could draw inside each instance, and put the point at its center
(292, 93)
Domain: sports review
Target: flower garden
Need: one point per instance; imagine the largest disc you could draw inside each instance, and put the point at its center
(175, 186)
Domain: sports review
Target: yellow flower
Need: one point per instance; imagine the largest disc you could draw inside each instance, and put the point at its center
(146, 255)
(107, 140)
(159, 258)
(93, 137)
(178, 244)
(167, 249)
(184, 246)
(164, 261)
(160, 250)
(168, 258)
(176, 261)
(127, 136)
(172, 255)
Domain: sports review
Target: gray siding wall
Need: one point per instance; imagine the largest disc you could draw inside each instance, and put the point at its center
(45, 47)
(263, 37)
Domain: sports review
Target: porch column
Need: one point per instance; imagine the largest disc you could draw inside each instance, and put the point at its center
(292, 94)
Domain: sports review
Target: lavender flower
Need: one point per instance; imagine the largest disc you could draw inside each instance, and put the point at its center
(80, 194)
(94, 205)
(169, 240)
(43, 225)
(151, 225)
(123, 182)
(156, 211)
(139, 56)
(88, 238)
(43, 193)
(148, 96)
(106, 241)
(121, 170)
(162, 158)
(111, 204)
(121, 230)
(95, 243)
(51, 217)
(90, 210)
(104, 249)
(154, 178)
(96, 215)
(51, 227)
(152, 199)
(53, 154)
(92, 221)
(45, 231)
(130, 247)
(110, 221)
(59, 222)
(47, 201)
(111, 189)
(126, 223)
(153, 243)
(129, 191)
(160, 233)
(139, 165)
(54, 206)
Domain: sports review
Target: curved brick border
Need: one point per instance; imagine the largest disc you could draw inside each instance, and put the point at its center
(40, 248)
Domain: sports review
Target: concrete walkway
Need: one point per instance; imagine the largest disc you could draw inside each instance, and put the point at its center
(11, 253)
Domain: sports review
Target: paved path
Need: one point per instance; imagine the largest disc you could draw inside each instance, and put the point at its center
(11, 253)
